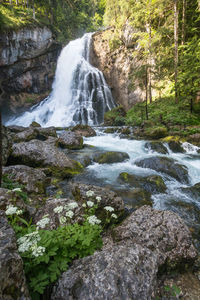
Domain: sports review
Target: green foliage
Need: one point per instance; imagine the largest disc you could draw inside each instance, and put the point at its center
(61, 246)
(164, 111)
(115, 117)
(173, 290)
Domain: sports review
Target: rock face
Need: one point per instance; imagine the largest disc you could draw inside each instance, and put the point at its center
(27, 63)
(84, 130)
(6, 144)
(127, 267)
(117, 66)
(165, 165)
(43, 154)
(70, 140)
(34, 180)
(12, 279)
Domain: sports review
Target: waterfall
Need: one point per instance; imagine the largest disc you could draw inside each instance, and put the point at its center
(79, 94)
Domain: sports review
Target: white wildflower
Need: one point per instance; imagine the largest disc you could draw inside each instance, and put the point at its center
(90, 203)
(11, 210)
(69, 214)
(62, 220)
(37, 250)
(42, 223)
(109, 208)
(114, 216)
(19, 212)
(93, 220)
(58, 209)
(71, 206)
(98, 198)
(17, 190)
(89, 193)
(27, 241)
(84, 205)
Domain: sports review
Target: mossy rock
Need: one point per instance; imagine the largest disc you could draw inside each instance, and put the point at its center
(176, 147)
(152, 184)
(111, 157)
(35, 124)
(64, 172)
(135, 197)
(156, 132)
(111, 130)
(84, 130)
(156, 147)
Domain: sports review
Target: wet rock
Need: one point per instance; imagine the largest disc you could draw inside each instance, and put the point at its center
(16, 129)
(111, 157)
(152, 183)
(127, 267)
(156, 147)
(176, 147)
(111, 130)
(84, 130)
(165, 165)
(193, 191)
(70, 140)
(42, 154)
(6, 144)
(12, 279)
(34, 180)
(135, 197)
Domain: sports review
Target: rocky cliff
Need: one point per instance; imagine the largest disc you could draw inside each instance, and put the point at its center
(27, 65)
(118, 64)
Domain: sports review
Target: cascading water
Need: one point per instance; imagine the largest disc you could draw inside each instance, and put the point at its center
(80, 93)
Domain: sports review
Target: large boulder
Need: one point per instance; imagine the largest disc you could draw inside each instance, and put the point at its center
(111, 157)
(43, 154)
(176, 146)
(84, 130)
(12, 279)
(34, 180)
(152, 183)
(32, 132)
(70, 140)
(165, 165)
(128, 265)
(156, 147)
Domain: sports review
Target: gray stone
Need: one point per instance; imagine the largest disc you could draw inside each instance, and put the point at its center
(6, 144)
(12, 279)
(156, 147)
(165, 165)
(34, 180)
(70, 140)
(127, 266)
(84, 130)
(111, 157)
(42, 154)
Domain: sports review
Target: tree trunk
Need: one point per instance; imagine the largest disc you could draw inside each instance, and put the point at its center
(176, 48)
(146, 87)
(183, 23)
(150, 57)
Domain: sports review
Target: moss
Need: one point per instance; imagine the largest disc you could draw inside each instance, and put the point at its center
(156, 132)
(124, 176)
(61, 172)
(115, 117)
(111, 157)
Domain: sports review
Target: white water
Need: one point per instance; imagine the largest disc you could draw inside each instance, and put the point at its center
(136, 150)
(80, 93)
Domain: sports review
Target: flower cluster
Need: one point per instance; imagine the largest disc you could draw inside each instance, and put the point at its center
(69, 211)
(43, 222)
(37, 250)
(28, 242)
(12, 210)
(109, 208)
(89, 193)
(69, 214)
(90, 203)
(93, 220)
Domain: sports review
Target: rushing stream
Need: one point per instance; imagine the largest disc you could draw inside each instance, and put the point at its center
(175, 198)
